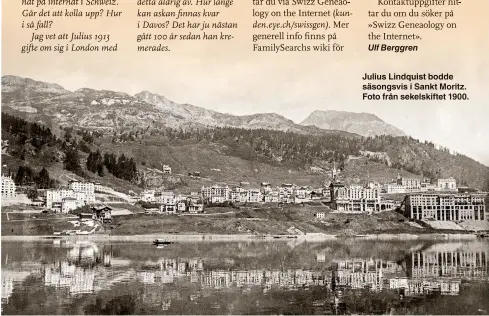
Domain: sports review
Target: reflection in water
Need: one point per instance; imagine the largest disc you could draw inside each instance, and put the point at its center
(86, 277)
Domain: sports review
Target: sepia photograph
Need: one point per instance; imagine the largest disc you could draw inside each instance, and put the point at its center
(154, 162)
(134, 204)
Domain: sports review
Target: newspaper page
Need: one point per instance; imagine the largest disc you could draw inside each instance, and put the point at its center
(238, 157)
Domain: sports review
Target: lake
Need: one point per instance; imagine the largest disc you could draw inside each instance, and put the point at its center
(276, 277)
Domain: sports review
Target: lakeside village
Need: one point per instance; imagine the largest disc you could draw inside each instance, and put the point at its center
(435, 201)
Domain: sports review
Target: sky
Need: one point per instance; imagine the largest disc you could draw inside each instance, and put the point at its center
(229, 77)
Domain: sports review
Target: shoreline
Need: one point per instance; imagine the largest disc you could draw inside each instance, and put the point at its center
(320, 237)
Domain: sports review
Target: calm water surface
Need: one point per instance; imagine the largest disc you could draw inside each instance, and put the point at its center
(347, 277)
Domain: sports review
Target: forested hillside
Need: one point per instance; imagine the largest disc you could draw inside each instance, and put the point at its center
(38, 146)
(301, 151)
(83, 151)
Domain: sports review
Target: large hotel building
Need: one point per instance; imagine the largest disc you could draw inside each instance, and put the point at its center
(445, 207)
(355, 198)
(8, 188)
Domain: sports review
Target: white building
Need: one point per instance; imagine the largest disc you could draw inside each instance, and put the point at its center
(357, 192)
(196, 207)
(83, 198)
(168, 208)
(181, 205)
(319, 215)
(65, 200)
(216, 193)
(254, 196)
(166, 169)
(172, 203)
(445, 207)
(449, 184)
(8, 188)
(166, 198)
(241, 195)
(57, 196)
(286, 189)
(320, 257)
(374, 185)
(79, 186)
(148, 196)
(410, 184)
(407, 185)
(356, 198)
(394, 188)
(302, 193)
(88, 188)
(428, 187)
(272, 197)
(237, 194)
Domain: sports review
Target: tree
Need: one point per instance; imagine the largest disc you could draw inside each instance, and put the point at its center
(84, 147)
(100, 170)
(19, 176)
(90, 165)
(72, 161)
(23, 176)
(32, 194)
(43, 180)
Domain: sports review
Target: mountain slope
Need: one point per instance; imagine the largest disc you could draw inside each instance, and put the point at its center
(190, 114)
(116, 111)
(146, 118)
(85, 108)
(364, 124)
